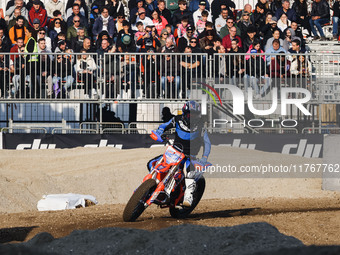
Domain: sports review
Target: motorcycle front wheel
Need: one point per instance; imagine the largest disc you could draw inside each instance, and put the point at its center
(135, 207)
(180, 213)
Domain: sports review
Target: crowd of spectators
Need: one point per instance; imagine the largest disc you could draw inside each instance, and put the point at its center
(198, 26)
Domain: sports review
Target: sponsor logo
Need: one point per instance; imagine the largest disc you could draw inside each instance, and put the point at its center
(36, 145)
(303, 149)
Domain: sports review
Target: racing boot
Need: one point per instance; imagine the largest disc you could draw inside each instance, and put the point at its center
(189, 192)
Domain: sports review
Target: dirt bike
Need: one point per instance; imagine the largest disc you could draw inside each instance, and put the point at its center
(165, 184)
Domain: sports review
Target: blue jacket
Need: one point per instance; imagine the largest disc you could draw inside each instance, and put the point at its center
(98, 26)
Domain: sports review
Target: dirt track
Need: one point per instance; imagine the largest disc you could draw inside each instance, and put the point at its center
(313, 221)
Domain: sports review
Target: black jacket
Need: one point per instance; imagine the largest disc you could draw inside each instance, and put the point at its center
(255, 67)
(178, 15)
(321, 9)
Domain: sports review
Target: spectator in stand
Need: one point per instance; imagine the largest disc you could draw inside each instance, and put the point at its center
(72, 31)
(200, 25)
(182, 28)
(87, 46)
(164, 12)
(42, 35)
(183, 42)
(267, 26)
(235, 63)
(163, 37)
(169, 46)
(17, 4)
(250, 38)
(94, 14)
(191, 65)
(99, 4)
(36, 25)
(244, 23)
(54, 5)
(18, 30)
(170, 78)
(269, 34)
(335, 18)
(198, 13)
(104, 35)
(29, 4)
(82, 8)
(258, 18)
(218, 5)
(17, 69)
(195, 46)
(266, 5)
(276, 36)
(31, 62)
(5, 41)
(274, 48)
(208, 26)
(194, 5)
(149, 40)
(207, 43)
(3, 23)
(302, 16)
(62, 71)
(86, 70)
(150, 6)
(61, 47)
(16, 48)
(226, 41)
(320, 15)
(37, 12)
(104, 23)
(4, 74)
(279, 70)
(116, 8)
(12, 22)
(255, 69)
(296, 47)
(159, 21)
(76, 12)
(291, 15)
(182, 12)
(55, 28)
(247, 8)
(142, 18)
(221, 21)
(76, 43)
(283, 23)
(297, 32)
(123, 36)
(134, 12)
(275, 5)
(119, 23)
(225, 30)
(301, 70)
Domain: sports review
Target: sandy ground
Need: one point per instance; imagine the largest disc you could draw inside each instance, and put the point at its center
(295, 206)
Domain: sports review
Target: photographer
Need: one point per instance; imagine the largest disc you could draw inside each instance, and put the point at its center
(150, 40)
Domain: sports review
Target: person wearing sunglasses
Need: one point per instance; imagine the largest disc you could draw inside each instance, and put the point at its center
(72, 31)
(184, 40)
(42, 35)
(57, 26)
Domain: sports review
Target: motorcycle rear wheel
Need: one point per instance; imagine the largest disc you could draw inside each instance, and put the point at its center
(180, 213)
(135, 207)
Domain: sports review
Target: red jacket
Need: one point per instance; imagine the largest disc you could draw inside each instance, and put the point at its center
(226, 42)
(41, 14)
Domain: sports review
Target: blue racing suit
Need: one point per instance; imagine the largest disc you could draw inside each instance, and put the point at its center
(190, 140)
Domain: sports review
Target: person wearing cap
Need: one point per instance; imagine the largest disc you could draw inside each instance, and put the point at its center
(142, 18)
(184, 40)
(197, 15)
(134, 12)
(163, 11)
(181, 13)
(195, 5)
(104, 23)
(126, 31)
(36, 24)
(244, 23)
(94, 14)
(53, 5)
(221, 21)
(37, 12)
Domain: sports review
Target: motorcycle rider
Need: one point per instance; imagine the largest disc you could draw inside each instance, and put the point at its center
(190, 135)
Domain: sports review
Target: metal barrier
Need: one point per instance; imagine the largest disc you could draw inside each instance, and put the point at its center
(37, 125)
(275, 131)
(133, 76)
(73, 131)
(118, 127)
(321, 130)
(34, 130)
